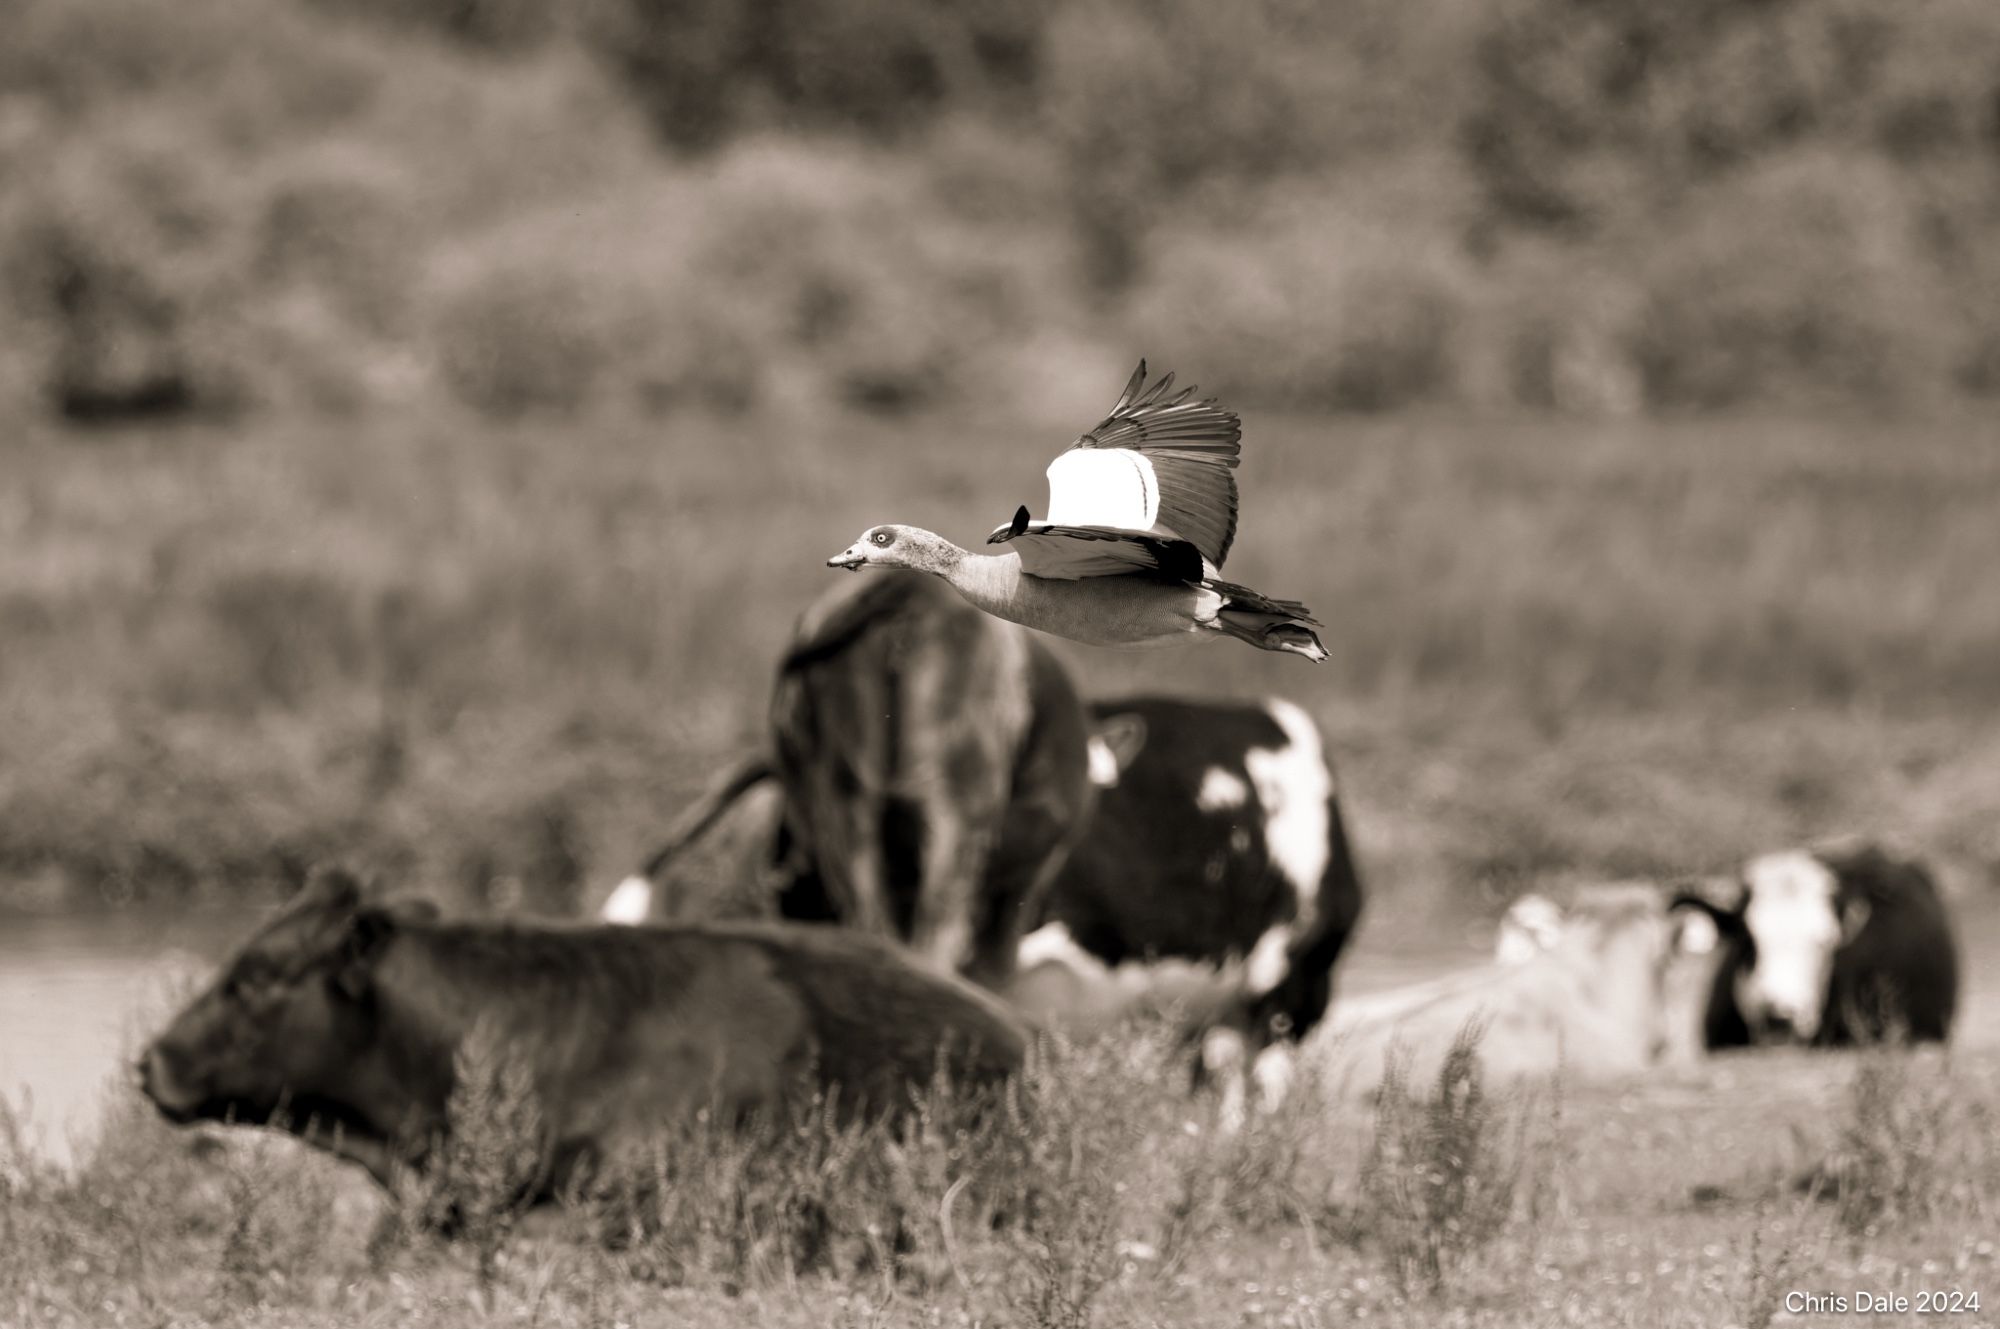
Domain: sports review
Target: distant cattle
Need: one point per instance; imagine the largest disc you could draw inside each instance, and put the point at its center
(1534, 924)
(1218, 837)
(1608, 987)
(341, 1019)
(932, 763)
(1831, 946)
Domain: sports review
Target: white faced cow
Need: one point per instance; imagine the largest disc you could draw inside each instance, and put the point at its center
(1830, 946)
(931, 762)
(1218, 837)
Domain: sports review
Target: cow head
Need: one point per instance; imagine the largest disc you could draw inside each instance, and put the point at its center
(280, 1024)
(1531, 926)
(1790, 919)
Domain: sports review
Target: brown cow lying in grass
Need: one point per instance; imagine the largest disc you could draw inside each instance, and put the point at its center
(344, 1021)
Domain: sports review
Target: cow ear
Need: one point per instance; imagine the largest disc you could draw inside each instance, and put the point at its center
(332, 888)
(1854, 913)
(1114, 744)
(1728, 922)
(1695, 932)
(366, 938)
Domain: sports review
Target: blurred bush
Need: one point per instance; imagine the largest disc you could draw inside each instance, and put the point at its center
(1806, 279)
(492, 25)
(519, 339)
(1158, 108)
(121, 265)
(1316, 301)
(1576, 205)
(706, 69)
(1593, 111)
(773, 274)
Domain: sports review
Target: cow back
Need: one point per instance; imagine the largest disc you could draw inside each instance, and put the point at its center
(932, 759)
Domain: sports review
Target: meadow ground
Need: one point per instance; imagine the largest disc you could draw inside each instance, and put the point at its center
(1700, 1197)
(496, 660)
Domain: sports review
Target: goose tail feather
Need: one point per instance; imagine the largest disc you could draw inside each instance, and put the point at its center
(1271, 625)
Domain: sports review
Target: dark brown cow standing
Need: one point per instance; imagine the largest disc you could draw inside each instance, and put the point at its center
(934, 765)
(341, 1019)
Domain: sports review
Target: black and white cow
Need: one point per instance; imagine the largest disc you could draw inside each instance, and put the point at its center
(1830, 946)
(1218, 837)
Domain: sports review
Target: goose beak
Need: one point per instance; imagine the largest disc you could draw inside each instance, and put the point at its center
(850, 558)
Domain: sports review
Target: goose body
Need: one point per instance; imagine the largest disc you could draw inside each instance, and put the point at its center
(1142, 513)
(1100, 611)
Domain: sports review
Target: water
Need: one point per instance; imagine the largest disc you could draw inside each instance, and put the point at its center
(80, 993)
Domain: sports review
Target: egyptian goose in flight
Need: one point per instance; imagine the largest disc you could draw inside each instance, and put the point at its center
(1142, 511)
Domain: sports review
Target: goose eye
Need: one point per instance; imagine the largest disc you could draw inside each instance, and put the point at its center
(881, 537)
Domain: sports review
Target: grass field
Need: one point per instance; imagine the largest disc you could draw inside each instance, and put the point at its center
(1698, 1198)
(495, 660)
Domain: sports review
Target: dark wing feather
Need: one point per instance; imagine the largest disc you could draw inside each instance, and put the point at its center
(1072, 553)
(1193, 445)
(1242, 597)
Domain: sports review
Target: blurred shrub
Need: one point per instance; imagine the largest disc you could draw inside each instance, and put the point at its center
(1149, 102)
(265, 637)
(1308, 302)
(121, 265)
(776, 272)
(334, 274)
(707, 68)
(263, 69)
(149, 274)
(852, 263)
(1804, 280)
(521, 339)
(495, 25)
(1587, 111)
(1566, 204)
(339, 222)
(1554, 331)
(1440, 1180)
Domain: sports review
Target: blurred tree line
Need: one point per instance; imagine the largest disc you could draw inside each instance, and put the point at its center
(1587, 205)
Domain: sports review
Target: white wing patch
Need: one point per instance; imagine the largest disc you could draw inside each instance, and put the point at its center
(1103, 487)
(1294, 785)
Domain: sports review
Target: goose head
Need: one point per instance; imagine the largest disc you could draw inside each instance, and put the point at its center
(897, 547)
